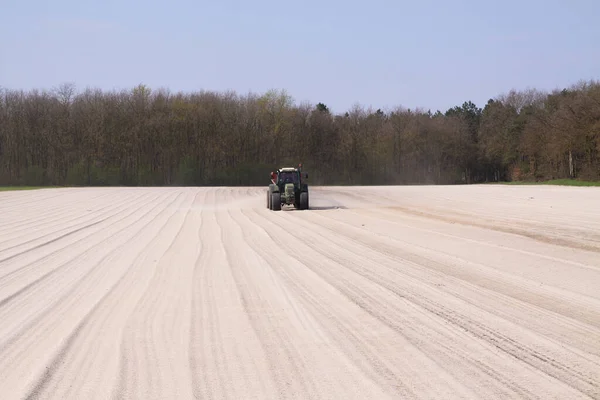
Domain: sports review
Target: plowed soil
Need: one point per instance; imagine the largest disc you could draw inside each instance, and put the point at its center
(415, 292)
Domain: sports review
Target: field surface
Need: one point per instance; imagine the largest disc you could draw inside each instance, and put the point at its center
(463, 292)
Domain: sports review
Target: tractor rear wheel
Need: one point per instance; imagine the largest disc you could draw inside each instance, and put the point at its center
(276, 201)
(304, 201)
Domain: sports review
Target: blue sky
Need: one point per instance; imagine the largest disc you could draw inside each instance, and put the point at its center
(432, 54)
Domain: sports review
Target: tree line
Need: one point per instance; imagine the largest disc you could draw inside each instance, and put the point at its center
(155, 137)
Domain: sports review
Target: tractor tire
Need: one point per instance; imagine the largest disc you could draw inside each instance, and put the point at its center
(269, 199)
(276, 201)
(304, 201)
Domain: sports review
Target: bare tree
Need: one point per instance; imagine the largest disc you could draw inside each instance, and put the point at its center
(154, 137)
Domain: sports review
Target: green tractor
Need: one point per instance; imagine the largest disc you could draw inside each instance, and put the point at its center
(287, 188)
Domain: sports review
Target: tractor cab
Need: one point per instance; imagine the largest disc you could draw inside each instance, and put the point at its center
(288, 175)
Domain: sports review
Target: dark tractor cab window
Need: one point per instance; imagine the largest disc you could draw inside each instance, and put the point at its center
(288, 177)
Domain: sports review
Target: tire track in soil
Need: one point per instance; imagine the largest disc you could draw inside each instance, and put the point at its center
(144, 250)
(518, 299)
(414, 325)
(401, 290)
(492, 277)
(511, 227)
(156, 325)
(65, 265)
(394, 218)
(578, 377)
(552, 300)
(32, 198)
(40, 327)
(50, 379)
(333, 322)
(51, 216)
(227, 358)
(287, 363)
(65, 225)
(40, 246)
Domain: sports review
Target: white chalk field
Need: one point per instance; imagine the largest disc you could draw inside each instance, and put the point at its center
(414, 292)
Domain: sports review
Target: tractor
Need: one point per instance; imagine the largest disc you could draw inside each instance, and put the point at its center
(287, 188)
